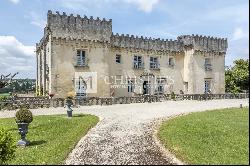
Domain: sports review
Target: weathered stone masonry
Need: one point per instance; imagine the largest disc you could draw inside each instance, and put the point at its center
(65, 35)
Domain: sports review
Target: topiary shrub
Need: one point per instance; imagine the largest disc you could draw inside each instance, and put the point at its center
(7, 146)
(24, 115)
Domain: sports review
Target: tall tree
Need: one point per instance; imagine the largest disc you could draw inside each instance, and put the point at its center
(237, 76)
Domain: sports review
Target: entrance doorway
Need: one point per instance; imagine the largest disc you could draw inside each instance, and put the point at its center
(146, 87)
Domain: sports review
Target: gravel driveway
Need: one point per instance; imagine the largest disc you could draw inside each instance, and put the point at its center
(124, 134)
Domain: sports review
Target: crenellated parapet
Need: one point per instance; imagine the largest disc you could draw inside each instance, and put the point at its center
(100, 30)
(204, 43)
(127, 41)
(62, 25)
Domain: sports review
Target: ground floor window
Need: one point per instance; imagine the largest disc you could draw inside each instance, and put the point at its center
(207, 86)
(160, 86)
(80, 87)
(131, 86)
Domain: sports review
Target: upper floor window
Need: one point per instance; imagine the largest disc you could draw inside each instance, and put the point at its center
(208, 65)
(138, 63)
(171, 62)
(81, 58)
(154, 64)
(118, 58)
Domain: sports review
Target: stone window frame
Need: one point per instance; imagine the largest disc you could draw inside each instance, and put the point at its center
(85, 64)
(208, 64)
(131, 86)
(154, 64)
(173, 61)
(161, 82)
(136, 63)
(78, 84)
(207, 89)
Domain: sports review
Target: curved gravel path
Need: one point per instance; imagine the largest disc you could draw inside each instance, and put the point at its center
(124, 134)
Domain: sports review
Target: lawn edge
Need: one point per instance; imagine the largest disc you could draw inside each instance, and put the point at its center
(164, 150)
(68, 159)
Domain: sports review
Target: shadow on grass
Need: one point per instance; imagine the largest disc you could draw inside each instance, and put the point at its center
(34, 143)
(79, 115)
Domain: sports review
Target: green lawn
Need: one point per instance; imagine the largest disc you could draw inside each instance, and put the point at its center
(52, 137)
(4, 94)
(211, 137)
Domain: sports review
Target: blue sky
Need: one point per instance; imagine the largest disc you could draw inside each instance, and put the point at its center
(22, 23)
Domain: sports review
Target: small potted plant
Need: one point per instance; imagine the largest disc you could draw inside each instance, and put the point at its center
(69, 103)
(23, 118)
(172, 95)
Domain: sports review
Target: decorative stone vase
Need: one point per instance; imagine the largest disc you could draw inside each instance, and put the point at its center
(69, 103)
(23, 130)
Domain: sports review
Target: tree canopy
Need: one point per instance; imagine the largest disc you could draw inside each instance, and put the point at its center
(237, 76)
(6, 80)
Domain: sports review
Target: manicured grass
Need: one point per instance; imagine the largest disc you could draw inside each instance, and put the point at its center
(52, 137)
(4, 94)
(211, 137)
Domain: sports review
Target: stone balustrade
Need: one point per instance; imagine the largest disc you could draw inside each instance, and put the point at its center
(45, 102)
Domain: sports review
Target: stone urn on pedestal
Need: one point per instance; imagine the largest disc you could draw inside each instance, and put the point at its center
(23, 118)
(69, 104)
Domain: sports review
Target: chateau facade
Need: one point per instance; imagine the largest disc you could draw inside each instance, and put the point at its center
(191, 64)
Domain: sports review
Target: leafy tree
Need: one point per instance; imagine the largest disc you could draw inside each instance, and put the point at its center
(237, 77)
(6, 80)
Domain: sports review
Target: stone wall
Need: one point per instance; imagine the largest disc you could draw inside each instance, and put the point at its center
(136, 42)
(78, 27)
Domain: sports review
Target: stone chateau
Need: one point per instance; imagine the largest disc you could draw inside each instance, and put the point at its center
(191, 64)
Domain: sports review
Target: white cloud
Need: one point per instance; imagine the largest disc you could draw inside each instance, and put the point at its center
(144, 5)
(16, 57)
(15, 1)
(37, 20)
(239, 34)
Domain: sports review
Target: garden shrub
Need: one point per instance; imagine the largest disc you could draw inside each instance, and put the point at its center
(7, 146)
